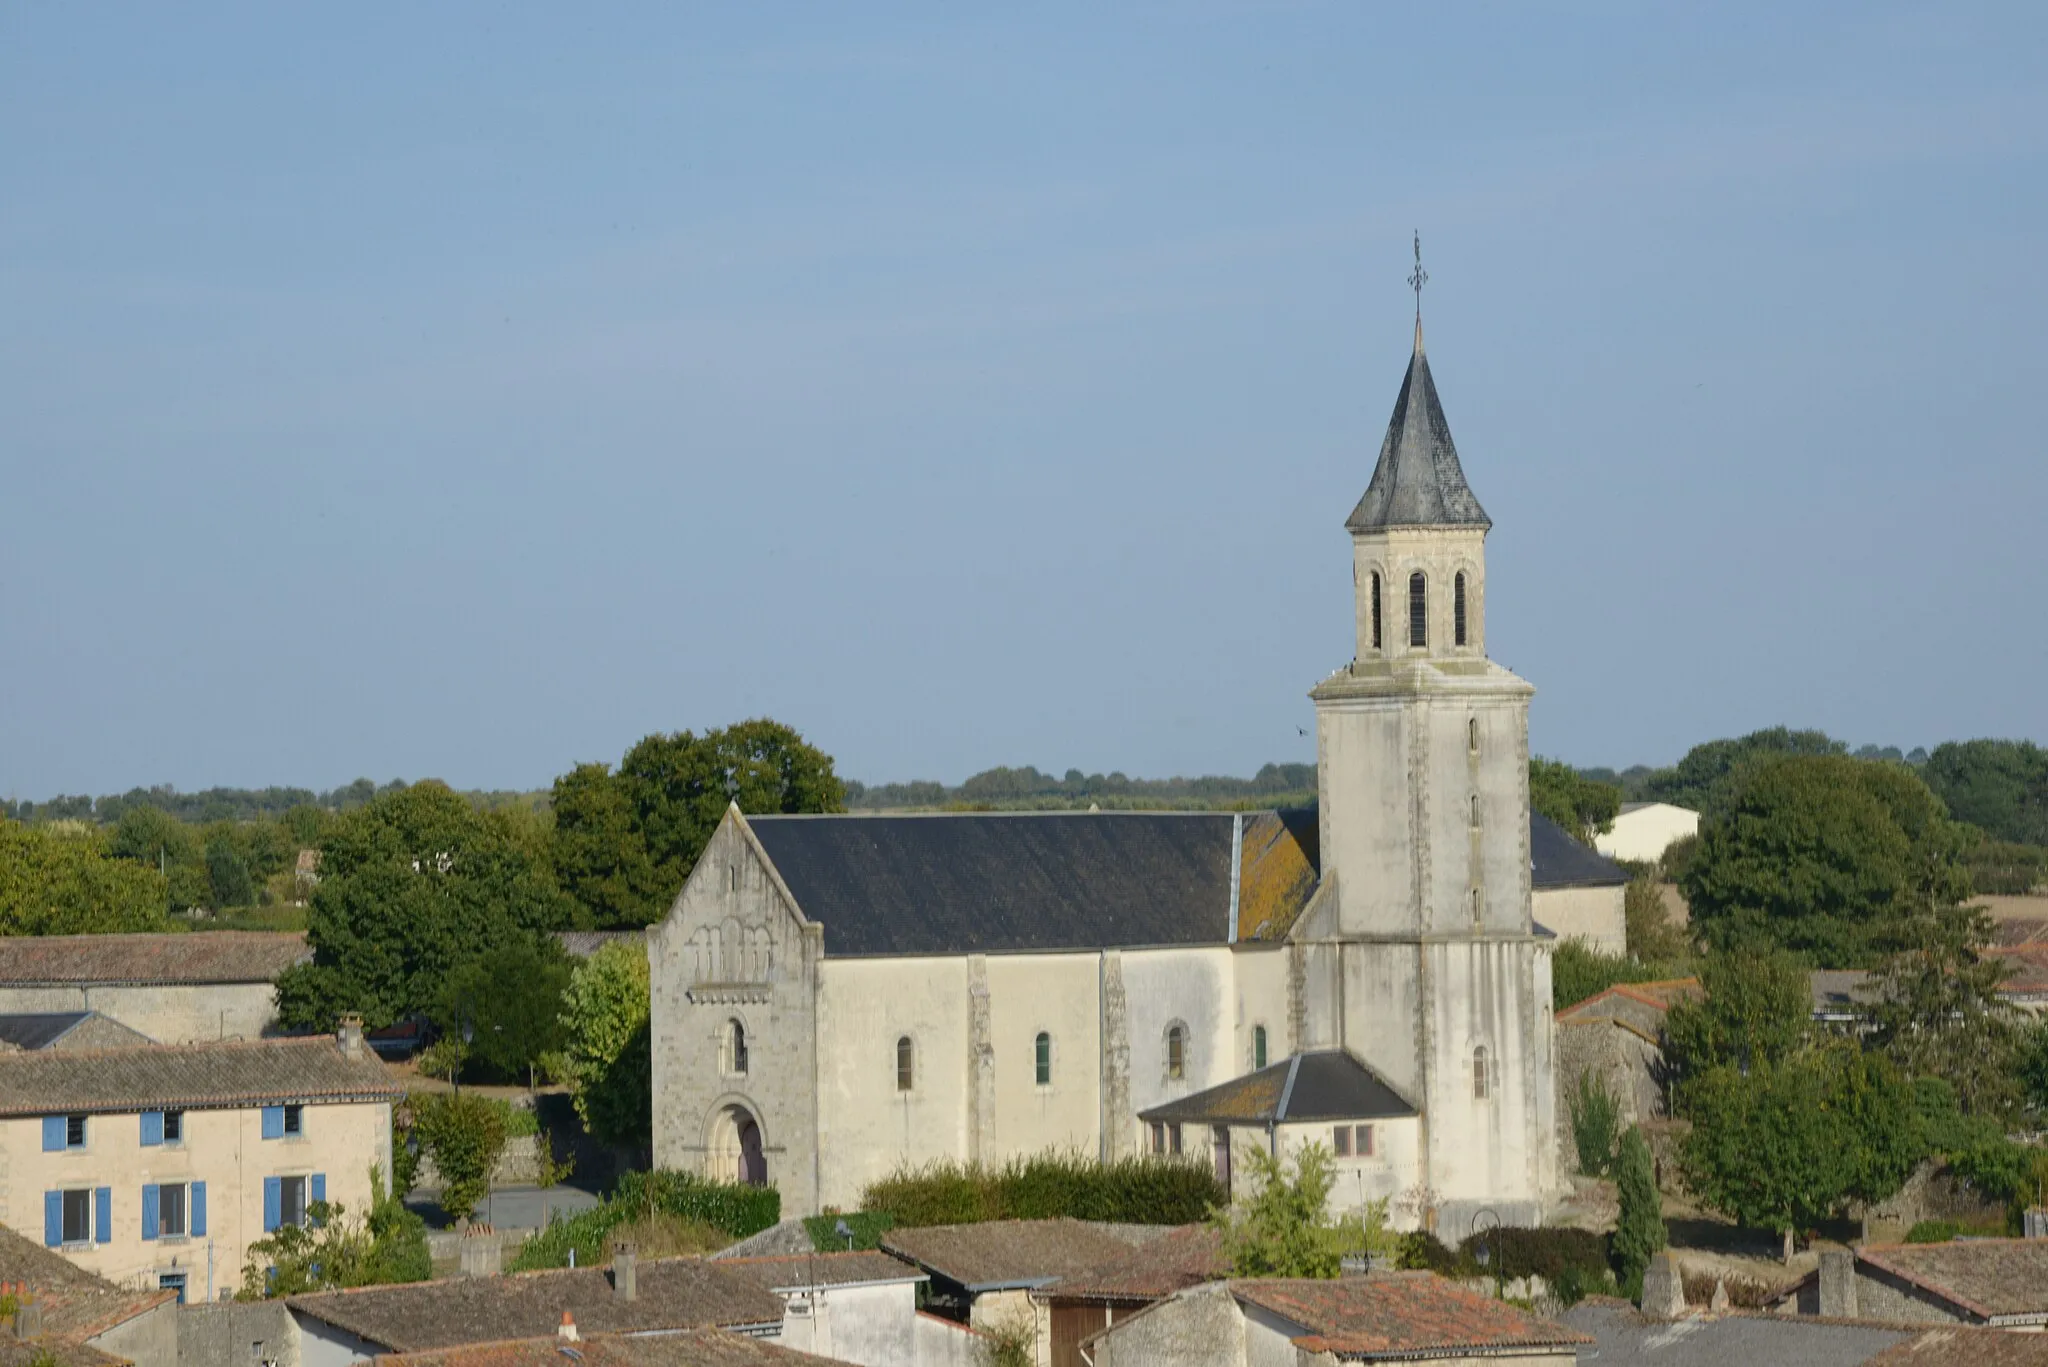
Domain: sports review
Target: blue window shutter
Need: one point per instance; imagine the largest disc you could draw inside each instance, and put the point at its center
(53, 1134)
(273, 1122)
(273, 1204)
(152, 1128)
(195, 1210)
(319, 1193)
(149, 1210)
(103, 1215)
(53, 1218)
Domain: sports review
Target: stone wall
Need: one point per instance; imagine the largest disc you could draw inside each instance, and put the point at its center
(1931, 1193)
(168, 1014)
(149, 1339)
(237, 1334)
(1629, 1066)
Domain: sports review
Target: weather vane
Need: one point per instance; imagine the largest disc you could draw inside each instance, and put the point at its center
(1418, 277)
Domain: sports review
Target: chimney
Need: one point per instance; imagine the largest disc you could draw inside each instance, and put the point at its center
(1663, 1288)
(567, 1333)
(482, 1255)
(348, 1035)
(2034, 1222)
(625, 1271)
(28, 1320)
(1838, 1283)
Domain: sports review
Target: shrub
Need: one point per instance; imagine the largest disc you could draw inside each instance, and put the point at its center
(1596, 1120)
(465, 1135)
(1998, 867)
(1007, 1343)
(868, 1228)
(1639, 1232)
(736, 1210)
(1933, 1232)
(1577, 973)
(1135, 1190)
(1515, 1251)
(1421, 1251)
(1744, 1293)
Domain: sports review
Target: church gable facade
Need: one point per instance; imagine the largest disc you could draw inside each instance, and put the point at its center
(837, 997)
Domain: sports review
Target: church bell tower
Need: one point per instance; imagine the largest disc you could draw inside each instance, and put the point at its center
(1441, 981)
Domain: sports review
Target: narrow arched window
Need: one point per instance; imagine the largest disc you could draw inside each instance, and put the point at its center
(1375, 609)
(1042, 1058)
(1177, 1052)
(1478, 904)
(735, 1047)
(1472, 734)
(1418, 610)
(1480, 1086)
(1458, 608)
(1475, 809)
(906, 1064)
(1258, 1047)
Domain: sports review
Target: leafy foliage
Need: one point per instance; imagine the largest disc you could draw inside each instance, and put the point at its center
(1652, 935)
(1028, 789)
(510, 1000)
(1937, 1011)
(337, 1250)
(1933, 1232)
(1825, 856)
(56, 882)
(1135, 1190)
(1596, 1122)
(1757, 1011)
(1997, 867)
(465, 1136)
(1577, 973)
(1998, 786)
(738, 1210)
(412, 887)
(607, 1060)
(1283, 1227)
(1639, 1232)
(1585, 807)
(1011, 1341)
(868, 1227)
(1701, 780)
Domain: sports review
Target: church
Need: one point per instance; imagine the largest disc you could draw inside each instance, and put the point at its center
(835, 997)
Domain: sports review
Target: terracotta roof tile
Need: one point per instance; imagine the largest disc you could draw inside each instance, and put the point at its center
(690, 1348)
(1013, 1253)
(1987, 1277)
(672, 1293)
(1961, 1347)
(76, 1304)
(1399, 1312)
(203, 956)
(189, 1076)
(1189, 1256)
(795, 1271)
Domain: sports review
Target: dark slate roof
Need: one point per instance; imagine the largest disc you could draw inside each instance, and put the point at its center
(189, 1076)
(1418, 481)
(1327, 1084)
(992, 882)
(1558, 861)
(39, 1029)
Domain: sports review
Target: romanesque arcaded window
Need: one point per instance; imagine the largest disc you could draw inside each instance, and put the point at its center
(1480, 1087)
(1418, 610)
(906, 1064)
(1177, 1052)
(1041, 1049)
(1375, 609)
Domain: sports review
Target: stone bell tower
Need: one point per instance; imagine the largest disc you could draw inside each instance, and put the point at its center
(1423, 755)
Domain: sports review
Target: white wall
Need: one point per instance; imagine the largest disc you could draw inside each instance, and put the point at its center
(1059, 995)
(168, 1014)
(872, 1326)
(1596, 916)
(1645, 833)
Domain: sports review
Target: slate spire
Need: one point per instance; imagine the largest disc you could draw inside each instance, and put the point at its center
(1418, 481)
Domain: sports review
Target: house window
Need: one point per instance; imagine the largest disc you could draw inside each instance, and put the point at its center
(906, 1064)
(1458, 608)
(174, 1127)
(1177, 1053)
(1340, 1140)
(74, 1131)
(291, 1200)
(1219, 1146)
(78, 1217)
(170, 1211)
(1363, 1146)
(294, 1121)
(1173, 1139)
(735, 1048)
(1418, 610)
(1480, 1084)
(1042, 1058)
(1258, 1047)
(1158, 1137)
(1375, 609)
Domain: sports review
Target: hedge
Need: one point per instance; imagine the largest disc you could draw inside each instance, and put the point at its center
(1512, 1251)
(868, 1228)
(738, 1210)
(1136, 1190)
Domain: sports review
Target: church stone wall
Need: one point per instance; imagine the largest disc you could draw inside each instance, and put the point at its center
(732, 949)
(1056, 994)
(1263, 998)
(1191, 987)
(1591, 915)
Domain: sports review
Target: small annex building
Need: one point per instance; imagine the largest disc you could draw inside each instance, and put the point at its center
(174, 988)
(1080, 1305)
(1994, 1283)
(79, 1318)
(1642, 831)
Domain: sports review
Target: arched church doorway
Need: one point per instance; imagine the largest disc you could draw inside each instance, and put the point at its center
(736, 1151)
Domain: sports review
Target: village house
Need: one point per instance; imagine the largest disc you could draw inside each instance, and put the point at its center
(1996, 1283)
(172, 988)
(984, 1274)
(79, 1318)
(1084, 1303)
(1383, 1317)
(156, 1166)
(835, 996)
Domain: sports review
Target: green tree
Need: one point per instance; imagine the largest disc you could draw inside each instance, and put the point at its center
(413, 886)
(464, 1135)
(59, 882)
(1283, 1228)
(1584, 807)
(336, 1250)
(607, 1062)
(1757, 1010)
(227, 874)
(1937, 1011)
(1652, 935)
(1825, 856)
(154, 838)
(1577, 973)
(601, 853)
(1998, 786)
(1639, 1231)
(509, 1002)
(1708, 771)
(1595, 1117)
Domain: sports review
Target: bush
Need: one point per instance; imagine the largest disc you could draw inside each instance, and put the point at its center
(1421, 1251)
(1577, 973)
(868, 1228)
(1998, 867)
(1136, 1190)
(1933, 1232)
(1639, 1231)
(1596, 1123)
(737, 1210)
(465, 1135)
(1514, 1251)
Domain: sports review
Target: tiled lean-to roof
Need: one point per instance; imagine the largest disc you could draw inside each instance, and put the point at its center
(1010, 1254)
(1189, 1256)
(1399, 1314)
(1326, 1084)
(191, 958)
(1989, 1278)
(687, 1348)
(189, 1077)
(800, 1271)
(76, 1304)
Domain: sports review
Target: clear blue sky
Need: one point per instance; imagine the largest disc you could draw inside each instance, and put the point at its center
(468, 391)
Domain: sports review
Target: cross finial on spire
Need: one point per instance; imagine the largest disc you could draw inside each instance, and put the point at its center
(1417, 278)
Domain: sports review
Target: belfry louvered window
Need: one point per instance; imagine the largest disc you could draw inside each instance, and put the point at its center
(1375, 609)
(1418, 610)
(1458, 609)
